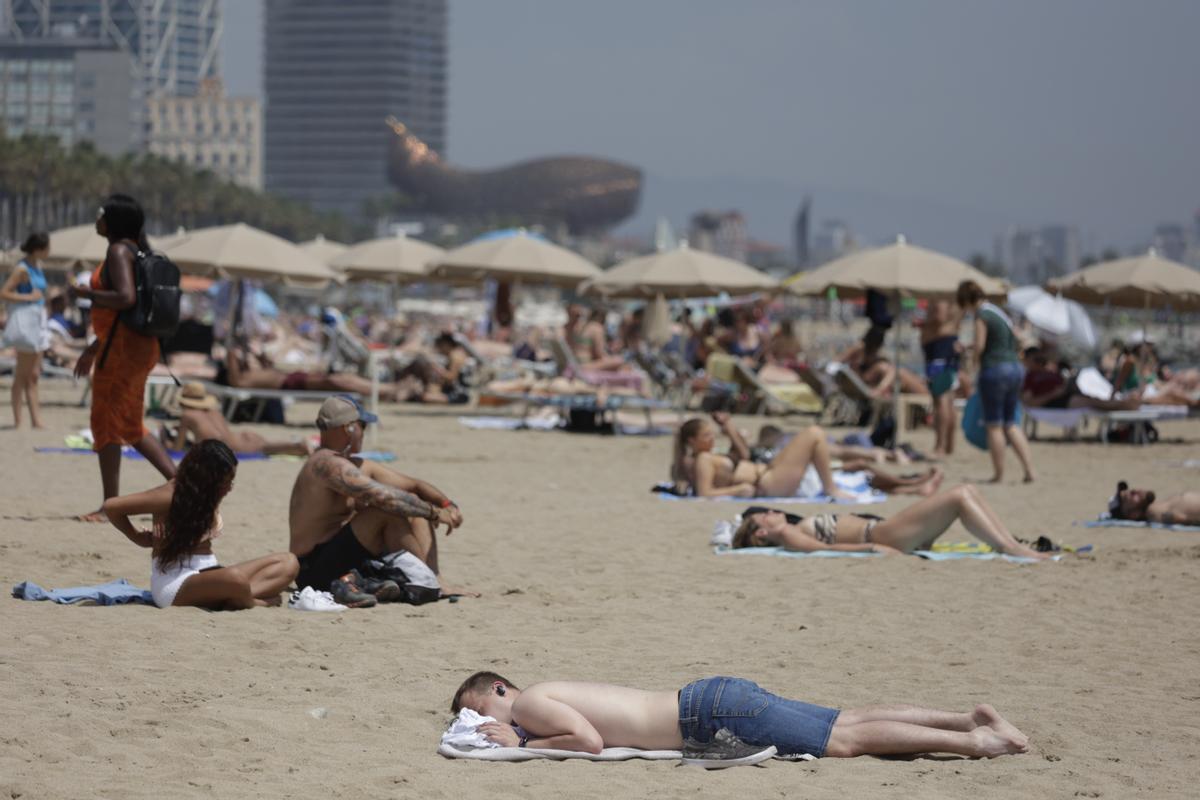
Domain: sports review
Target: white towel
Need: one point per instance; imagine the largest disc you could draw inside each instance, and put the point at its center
(463, 732)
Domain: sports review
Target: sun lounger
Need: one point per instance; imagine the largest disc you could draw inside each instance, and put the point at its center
(504, 368)
(1073, 418)
(608, 404)
(853, 386)
(570, 367)
(231, 396)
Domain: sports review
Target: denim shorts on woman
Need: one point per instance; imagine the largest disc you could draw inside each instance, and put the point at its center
(754, 715)
(999, 391)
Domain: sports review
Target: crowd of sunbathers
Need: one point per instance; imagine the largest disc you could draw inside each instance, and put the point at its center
(361, 533)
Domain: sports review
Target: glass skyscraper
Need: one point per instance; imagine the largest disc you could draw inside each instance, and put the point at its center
(335, 71)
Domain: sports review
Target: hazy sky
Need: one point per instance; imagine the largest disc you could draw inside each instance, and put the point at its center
(956, 117)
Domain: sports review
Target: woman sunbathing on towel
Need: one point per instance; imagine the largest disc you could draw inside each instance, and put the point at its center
(184, 571)
(711, 474)
(914, 528)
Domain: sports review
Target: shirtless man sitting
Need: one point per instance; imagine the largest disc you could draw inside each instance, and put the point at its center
(199, 419)
(345, 510)
(1143, 505)
(588, 717)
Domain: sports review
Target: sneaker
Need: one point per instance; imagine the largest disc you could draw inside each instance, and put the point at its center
(310, 599)
(725, 750)
(346, 591)
(385, 591)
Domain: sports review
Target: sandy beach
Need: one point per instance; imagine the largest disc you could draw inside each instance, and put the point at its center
(585, 574)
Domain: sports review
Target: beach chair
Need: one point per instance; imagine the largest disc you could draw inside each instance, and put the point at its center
(757, 397)
(605, 405)
(231, 397)
(570, 367)
(501, 368)
(1074, 419)
(852, 385)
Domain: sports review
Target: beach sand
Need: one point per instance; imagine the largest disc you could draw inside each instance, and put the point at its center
(587, 575)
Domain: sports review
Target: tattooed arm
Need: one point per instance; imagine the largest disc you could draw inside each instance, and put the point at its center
(343, 477)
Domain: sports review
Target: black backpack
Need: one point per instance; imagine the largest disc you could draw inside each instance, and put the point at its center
(155, 309)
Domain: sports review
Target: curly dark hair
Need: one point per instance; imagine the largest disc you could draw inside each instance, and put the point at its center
(200, 484)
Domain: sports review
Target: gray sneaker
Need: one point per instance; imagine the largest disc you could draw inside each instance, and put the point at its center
(725, 750)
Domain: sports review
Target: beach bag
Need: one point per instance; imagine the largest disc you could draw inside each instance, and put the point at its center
(155, 311)
(418, 583)
(972, 422)
(25, 329)
(157, 297)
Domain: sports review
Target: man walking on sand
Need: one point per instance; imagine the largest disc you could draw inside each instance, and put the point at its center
(345, 511)
(722, 717)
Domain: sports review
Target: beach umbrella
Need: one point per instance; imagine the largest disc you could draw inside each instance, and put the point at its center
(1053, 314)
(899, 269)
(322, 249)
(240, 251)
(395, 259)
(679, 273)
(1146, 281)
(514, 256)
(78, 244)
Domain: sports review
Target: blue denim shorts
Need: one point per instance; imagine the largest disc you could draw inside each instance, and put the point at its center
(1000, 391)
(754, 715)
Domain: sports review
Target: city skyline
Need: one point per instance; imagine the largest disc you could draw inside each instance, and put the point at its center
(945, 122)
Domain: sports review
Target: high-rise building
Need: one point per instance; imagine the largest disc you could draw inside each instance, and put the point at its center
(1171, 241)
(71, 91)
(334, 73)
(833, 239)
(800, 232)
(1033, 255)
(116, 55)
(172, 43)
(209, 131)
(720, 232)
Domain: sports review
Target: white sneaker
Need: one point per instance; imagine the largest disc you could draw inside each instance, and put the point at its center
(309, 599)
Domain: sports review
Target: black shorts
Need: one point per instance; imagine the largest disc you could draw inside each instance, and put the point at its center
(331, 560)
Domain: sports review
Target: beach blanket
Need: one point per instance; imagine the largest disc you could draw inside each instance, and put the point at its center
(113, 593)
(930, 555)
(1133, 523)
(462, 740)
(810, 491)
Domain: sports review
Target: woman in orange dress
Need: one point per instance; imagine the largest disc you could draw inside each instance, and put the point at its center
(119, 376)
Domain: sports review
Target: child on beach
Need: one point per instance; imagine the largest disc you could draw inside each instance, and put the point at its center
(184, 571)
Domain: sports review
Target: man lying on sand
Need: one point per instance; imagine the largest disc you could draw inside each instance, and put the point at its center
(345, 511)
(1143, 505)
(199, 419)
(591, 716)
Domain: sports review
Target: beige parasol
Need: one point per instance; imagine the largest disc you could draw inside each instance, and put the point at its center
(322, 249)
(396, 259)
(70, 247)
(682, 272)
(899, 269)
(240, 251)
(514, 257)
(1147, 281)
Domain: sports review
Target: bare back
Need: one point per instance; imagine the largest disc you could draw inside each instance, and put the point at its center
(316, 512)
(622, 716)
(1179, 509)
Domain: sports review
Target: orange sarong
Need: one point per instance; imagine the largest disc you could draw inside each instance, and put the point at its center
(119, 387)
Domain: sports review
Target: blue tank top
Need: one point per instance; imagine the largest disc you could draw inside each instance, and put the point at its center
(35, 280)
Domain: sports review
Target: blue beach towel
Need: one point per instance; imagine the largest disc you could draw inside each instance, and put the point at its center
(113, 593)
(1133, 523)
(929, 555)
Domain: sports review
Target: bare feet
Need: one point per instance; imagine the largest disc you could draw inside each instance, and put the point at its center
(930, 487)
(1030, 477)
(990, 744)
(986, 715)
(93, 516)
(838, 494)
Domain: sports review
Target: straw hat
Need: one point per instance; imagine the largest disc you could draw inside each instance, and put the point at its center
(195, 396)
